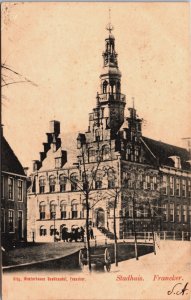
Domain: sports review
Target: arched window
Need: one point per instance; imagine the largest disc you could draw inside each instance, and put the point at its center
(83, 215)
(118, 86)
(99, 178)
(53, 210)
(111, 178)
(106, 152)
(92, 155)
(62, 182)
(74, 209)
(105, 83)
(42, 210)
(42, 231)
(52, 182)
(74, 181)
(52, 230)
(63, 207)
(41, 184)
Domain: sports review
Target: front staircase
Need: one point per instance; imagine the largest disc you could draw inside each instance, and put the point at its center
(102, 233)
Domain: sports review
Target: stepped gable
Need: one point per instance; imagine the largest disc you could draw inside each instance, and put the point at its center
(163, 152)
(54, 142)
(9, 161)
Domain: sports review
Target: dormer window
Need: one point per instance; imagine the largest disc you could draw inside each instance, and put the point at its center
(177, 161)
(58, 161)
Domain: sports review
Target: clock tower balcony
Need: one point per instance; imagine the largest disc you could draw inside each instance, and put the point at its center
(111, 98)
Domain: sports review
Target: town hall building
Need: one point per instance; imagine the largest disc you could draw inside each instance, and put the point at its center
(139, 181)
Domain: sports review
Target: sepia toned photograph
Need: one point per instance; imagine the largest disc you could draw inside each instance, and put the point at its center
(95, 151)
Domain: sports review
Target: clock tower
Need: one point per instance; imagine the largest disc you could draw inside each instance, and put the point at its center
(110, 95)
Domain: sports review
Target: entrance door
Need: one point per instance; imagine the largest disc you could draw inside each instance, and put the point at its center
(100, 218)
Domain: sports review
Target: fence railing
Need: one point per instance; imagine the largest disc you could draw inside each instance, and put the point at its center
(162, 235)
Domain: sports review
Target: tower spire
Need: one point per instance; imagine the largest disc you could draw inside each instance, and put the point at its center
(109, 26)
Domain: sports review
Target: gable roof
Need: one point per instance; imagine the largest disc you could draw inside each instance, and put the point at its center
(163, 151)
(9, 161)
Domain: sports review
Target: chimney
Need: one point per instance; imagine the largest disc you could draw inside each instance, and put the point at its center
(55, 127)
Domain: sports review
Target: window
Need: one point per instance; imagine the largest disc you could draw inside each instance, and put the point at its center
(178, 213)
(58, 161)
(74, 210)
(99, 177)
(52, 230)
(153, 183)
(42, 231)
(2, 220)
(111, 179)
(145, 212)
(171, 212)
(2, 187)
(11, 220)
(41, 185)
(183, 187)
(53, 210)
(189, 188)
(139, 211)
(62, 182)
(164, 184)
(177, 187)
(42, 210)
(63, 207)
(171, 186)
(189, 213)
(147, 183)
(98, 134)
(10, 188)
(20, 190)
(105, 83)
(105, 153)
(74, 180)
(126, 177)
(92, 155)
(136, 153)
(130, 211)
(165, 212)
(184, 214)
(52, 183)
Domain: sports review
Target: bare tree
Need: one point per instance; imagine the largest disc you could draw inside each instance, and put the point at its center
(10, 76)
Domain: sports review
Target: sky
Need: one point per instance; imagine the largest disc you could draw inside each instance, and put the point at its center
(58, 46)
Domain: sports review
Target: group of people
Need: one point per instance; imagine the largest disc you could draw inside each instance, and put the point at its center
(76, 234)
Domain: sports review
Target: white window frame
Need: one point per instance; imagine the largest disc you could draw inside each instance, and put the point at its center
(3, 219)
(165, 211)
(12, 187)
(189, 188)
(3, 186)
(184, 184)
(184, 209)
(13, 220)
(178, 185)
(178, 216)
(19, 180)
(164, 184)
(171, 184)
(171, 208)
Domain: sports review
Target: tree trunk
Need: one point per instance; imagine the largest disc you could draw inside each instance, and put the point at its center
(87, 233)
(134, 229)
(152, 229)
(115, 235)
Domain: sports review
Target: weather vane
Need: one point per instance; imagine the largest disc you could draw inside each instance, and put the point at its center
(109, 26)
(133, 98)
